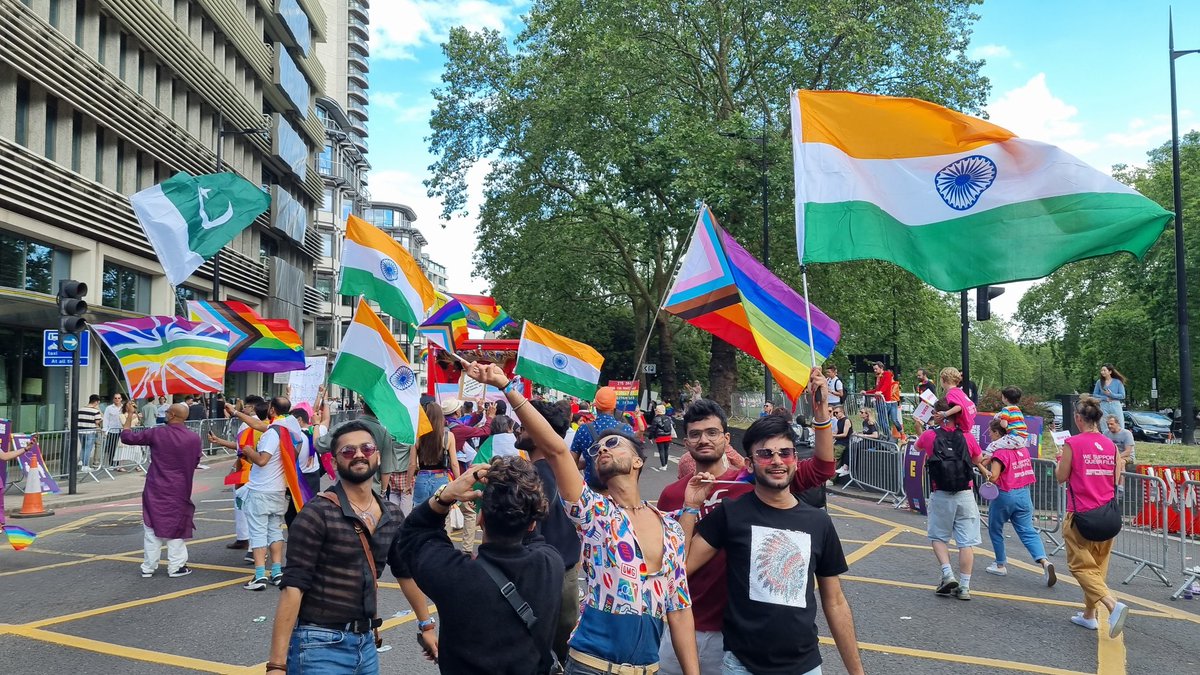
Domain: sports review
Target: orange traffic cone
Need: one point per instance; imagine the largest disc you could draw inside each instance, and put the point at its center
(31, 506)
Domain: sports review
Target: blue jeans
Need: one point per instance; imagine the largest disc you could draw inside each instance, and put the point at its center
(87, 443)
(318, 651)
(426, 484)
(1014, 506)
(893, 415)
(733, 666)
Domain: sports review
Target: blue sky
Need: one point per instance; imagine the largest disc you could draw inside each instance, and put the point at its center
(1090, 76)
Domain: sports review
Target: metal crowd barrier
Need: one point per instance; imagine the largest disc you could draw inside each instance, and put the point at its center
(1186, 496)
(877, 465)
(1143, 537)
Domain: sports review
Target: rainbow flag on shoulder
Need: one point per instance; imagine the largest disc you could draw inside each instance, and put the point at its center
(954, 199)
(723, 290)
(557, 362)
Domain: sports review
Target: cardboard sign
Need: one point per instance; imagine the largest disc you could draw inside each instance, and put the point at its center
(31, 451)
(627, 393)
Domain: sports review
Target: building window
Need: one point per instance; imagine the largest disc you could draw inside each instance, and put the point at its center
(80, 15)
(323, 334)
(325, 160)
(51, 128)
(76, 141)
(326, 244)
(99, 177)
(125, 289)
(324, 286)
(267, 248)
(327, 201)
(102, 42)
(22, 131)
(185, 293)
(55, 9)
(30, 265)
(347, 205)
(120, 166)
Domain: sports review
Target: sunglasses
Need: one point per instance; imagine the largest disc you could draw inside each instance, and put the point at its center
(606, 444)
(350, 451)
(766, 455)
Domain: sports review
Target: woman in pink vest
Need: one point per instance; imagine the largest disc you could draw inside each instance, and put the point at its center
(1012, 472)
(1088, 465)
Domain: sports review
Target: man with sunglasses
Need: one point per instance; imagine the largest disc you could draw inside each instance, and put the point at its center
(328, 607)
(706, 438)
(632, 553)
(776, 546)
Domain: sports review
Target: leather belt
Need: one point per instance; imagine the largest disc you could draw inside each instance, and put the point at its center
(610, 667)
(356, 626)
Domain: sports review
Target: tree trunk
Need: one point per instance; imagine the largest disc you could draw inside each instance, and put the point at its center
(668, 378)
(722, 373)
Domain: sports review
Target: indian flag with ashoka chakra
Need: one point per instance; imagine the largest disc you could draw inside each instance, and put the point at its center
(554, 361)
(954, 199)
(376, 266)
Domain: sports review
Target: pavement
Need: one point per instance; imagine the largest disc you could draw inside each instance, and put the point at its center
(75, 601)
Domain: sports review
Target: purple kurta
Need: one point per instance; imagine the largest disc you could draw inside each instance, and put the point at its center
(175, 451)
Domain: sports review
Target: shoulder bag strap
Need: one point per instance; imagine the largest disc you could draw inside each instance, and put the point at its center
(509, 590)
(362, 538)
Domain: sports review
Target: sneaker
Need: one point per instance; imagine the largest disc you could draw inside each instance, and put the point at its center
(1090, 624)
(181, 572)
(276, 580)
(1116, 620)
(248, 558)
(842, 471)
(147, 575)
(962, 593)
(256, 584)
(1048, 574)
(238, 544)
(948, 584)
(998, 570)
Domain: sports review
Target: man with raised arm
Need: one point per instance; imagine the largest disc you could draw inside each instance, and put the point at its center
(632, 553)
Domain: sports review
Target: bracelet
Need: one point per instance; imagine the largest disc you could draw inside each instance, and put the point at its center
(428, 624)
(689, 509)
(519, 405)
(825, 424)
(508, 388)
(276, 666)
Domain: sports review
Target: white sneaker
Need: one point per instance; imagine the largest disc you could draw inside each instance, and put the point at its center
(842, 471)
(1090, 624)
(1116, 620)
(997, 570)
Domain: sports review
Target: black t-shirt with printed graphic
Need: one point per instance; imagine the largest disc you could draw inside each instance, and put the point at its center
(772, 557)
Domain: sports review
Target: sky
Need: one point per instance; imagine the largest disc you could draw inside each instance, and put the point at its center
(1090, 76)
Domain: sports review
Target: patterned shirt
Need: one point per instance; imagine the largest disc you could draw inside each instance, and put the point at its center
(1014, 421)
(624, 608)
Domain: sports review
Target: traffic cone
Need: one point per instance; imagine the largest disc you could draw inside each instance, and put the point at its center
(31, 506)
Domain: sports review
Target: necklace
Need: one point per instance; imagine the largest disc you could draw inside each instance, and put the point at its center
(635, 508)
(364, 515)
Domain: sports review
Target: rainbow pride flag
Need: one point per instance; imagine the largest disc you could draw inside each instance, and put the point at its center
(19, 537)
(297, 487)
(257, 345)
(447, 326)
(483, 312)
(167, 355)
(724, 290)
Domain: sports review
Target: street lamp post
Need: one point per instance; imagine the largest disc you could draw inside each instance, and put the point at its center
(1181, 308)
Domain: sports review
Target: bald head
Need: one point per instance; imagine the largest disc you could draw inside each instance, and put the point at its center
(177, 413)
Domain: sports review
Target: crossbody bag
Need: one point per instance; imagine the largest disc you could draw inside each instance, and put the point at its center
(362, 538)
(1103, 522)
(509, 590)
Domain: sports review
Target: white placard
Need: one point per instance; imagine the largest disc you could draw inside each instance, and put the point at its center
(1060, 437)
(303, 384)
(929, 397)
(923, 413)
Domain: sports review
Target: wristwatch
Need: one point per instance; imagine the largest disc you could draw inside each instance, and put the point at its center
(437, 496)
(427, 625)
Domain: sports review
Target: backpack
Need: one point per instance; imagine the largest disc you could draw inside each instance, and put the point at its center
(949, 465)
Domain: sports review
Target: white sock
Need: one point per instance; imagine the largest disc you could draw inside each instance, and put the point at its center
(947, 570)
(964, 580)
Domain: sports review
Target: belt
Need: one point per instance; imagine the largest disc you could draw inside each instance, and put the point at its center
(610, 667)
(356, 626)
(432, 471)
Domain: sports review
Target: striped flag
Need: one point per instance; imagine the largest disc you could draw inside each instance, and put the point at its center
(257, 345)
(372, 364)
(167, 355)
(376, 266)
(554, 361)
(447, 326)
(954, 199)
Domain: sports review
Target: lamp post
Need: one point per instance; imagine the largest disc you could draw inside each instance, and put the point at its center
(1181, 308)
(766, 239)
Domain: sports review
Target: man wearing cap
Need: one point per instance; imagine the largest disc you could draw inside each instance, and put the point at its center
(605, 404)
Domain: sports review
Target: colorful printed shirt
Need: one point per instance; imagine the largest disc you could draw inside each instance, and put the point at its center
(624, 609)
(1014, 420)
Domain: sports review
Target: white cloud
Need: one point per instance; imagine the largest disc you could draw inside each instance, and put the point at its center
(1032, 111)
(398, 27)
(451, 243)
(403, 107)
(991, 52)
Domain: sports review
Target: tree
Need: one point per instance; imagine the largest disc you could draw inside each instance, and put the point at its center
(602, 127)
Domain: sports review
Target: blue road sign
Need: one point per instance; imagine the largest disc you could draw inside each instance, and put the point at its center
(53, 356)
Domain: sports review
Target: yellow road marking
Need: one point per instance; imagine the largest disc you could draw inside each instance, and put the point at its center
(132, 603)
(124, 652)
(215, 520)
(871, 546)
(1110, 652)
(85, 520)
(1164, 610)
(51, 566)
(960, 658)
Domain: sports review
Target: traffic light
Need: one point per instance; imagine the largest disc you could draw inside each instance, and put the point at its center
(71, 307)
(983, 298)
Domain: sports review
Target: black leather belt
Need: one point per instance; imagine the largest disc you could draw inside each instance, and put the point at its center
(356, 626)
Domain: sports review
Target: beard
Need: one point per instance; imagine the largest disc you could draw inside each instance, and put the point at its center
(772, 481)
(351, 472)
(611, 468)
(526, 443)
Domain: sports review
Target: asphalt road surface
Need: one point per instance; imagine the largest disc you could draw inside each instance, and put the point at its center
(74, 602)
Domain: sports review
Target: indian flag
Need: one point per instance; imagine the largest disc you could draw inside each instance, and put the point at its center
(954, 199)
(377, 266)
(557, 362)
(372, 364)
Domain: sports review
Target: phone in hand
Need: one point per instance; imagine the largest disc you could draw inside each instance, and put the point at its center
(425, 647)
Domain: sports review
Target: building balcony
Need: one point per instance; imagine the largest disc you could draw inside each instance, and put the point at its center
(359, 140)
(359, 76)
(355, 89)
(360, 25)
(357, 110)
(359, 9)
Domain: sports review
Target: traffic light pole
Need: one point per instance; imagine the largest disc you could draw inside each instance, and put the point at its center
(966, 333)
(73, 397)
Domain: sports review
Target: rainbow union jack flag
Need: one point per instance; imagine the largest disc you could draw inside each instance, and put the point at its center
(167, 355)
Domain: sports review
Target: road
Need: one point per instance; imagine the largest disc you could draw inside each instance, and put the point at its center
(75, 602)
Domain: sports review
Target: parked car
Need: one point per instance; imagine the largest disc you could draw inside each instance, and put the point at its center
(1147, 425)
(1054, 407)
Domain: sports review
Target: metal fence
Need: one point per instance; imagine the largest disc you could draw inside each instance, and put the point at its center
(1143, 537)
(1188, 511)
(877, 465)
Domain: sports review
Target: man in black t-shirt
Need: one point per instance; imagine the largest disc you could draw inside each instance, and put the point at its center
(776, 548)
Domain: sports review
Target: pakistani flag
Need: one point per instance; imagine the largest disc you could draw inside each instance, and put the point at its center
(189, 218)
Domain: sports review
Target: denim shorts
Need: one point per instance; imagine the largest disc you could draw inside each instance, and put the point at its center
(318, 650)
(953, 512)
(264, 516)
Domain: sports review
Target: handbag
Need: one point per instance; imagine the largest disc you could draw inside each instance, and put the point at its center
(1101, 523)
(456, 518)
(509, 590)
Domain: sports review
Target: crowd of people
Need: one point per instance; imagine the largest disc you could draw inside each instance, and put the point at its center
(578, 571)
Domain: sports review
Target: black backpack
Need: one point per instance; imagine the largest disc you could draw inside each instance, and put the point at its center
(949, 466)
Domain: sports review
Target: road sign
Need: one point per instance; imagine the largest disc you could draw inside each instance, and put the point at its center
(53, 356)
(650, 368)
(70, 342)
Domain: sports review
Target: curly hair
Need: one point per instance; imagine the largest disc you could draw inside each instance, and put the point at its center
(512, 500)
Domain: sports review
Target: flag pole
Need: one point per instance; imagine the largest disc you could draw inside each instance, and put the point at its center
(637, 369)
(808, 316)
